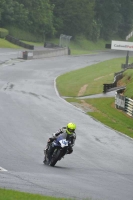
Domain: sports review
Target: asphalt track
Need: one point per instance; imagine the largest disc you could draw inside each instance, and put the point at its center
(101, 166)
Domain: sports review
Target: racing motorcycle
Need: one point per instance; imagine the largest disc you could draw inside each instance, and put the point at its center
(60, 146)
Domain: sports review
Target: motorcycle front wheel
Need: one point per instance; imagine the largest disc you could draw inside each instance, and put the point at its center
(56, 156)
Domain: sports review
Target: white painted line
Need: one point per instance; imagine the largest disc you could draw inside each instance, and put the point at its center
(2, 169)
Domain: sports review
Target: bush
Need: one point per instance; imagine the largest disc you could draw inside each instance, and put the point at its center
(3, 32)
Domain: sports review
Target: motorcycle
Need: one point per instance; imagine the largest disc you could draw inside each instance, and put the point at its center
(60, 147)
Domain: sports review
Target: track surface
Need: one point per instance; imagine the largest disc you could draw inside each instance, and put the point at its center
(101, 166)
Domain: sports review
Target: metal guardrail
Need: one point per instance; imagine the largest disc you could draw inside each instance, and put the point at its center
(124, 103)
(107, 87)
(129, 106)
(19, 43)
(119, 101)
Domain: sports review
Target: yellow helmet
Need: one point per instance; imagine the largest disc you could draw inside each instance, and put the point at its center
(70, 128)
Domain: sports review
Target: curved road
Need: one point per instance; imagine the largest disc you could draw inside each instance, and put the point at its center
(101, 166)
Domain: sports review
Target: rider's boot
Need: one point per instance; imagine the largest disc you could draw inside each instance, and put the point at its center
(44, 155)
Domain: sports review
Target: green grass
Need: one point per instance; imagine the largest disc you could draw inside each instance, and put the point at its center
(6, 194)
(83, 46)
(23, 34)
(110, 116)
(34, 43)
(115, 118)
(106, 113)
(81, 52)
(128, 81)
(93, 76)
(5, 44)
(78, 46)
(15, 195)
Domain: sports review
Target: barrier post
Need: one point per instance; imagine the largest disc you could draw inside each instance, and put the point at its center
(25, 55)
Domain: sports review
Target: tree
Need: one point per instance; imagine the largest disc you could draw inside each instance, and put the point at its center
(114, 17)
(11, 12)
(126, 10)
(58, 10)
(40, 15)
(92, 18)
(74, 17)
(108, 17)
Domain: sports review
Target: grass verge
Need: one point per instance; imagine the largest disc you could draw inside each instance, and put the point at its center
(81, 45)
(78, 46)
(6, 194)
(15, 195)
(103, 109)
(90, 80)
(5, 44)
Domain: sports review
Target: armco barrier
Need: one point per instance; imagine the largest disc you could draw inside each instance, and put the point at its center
(119, 101)
(107, 87)
(125, 66)
(19, 43)
(124, 103)
(129, 106)
(44, 53)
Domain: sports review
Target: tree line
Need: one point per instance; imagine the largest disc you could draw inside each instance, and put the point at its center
(95, 19)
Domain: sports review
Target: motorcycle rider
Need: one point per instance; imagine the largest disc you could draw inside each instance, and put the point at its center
(68, 133)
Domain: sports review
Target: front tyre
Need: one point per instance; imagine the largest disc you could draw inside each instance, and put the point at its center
(56, 156)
